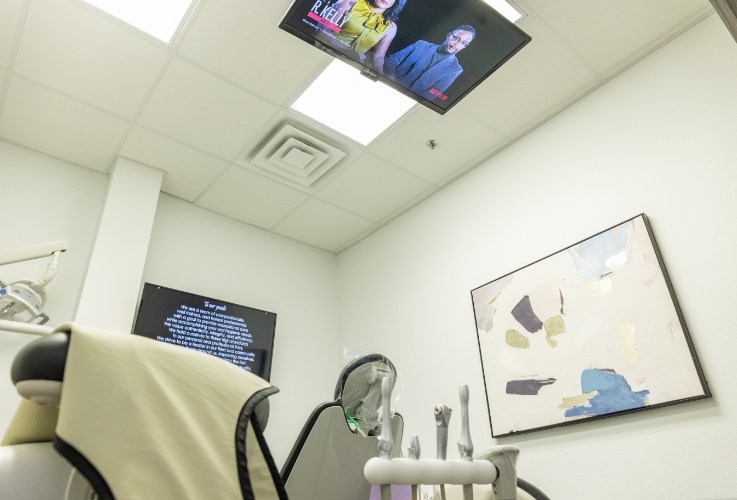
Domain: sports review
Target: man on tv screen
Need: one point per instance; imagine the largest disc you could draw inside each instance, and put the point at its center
(428, 69)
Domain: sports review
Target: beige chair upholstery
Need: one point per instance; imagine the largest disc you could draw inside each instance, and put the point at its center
(144, 419)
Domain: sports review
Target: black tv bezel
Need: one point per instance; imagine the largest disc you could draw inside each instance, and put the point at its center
(373, 75)
(270, 352)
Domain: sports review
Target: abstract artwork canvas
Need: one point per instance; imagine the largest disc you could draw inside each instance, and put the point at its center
(591, 331)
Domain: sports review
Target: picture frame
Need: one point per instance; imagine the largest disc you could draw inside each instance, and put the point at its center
(591, 331)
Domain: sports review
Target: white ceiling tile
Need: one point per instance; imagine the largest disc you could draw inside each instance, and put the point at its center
(372, 188)
(529, 6)
(251, 51)
(10, 12)
(44, 120)
(462, 138)
(324, 226)
(231, 75)
(251, 198)
(194, 106)
(532, 85)
(69, 48)
(188, 171)
(594, 28)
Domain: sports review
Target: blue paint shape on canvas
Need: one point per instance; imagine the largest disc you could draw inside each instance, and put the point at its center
(591, 255)
(614, 394)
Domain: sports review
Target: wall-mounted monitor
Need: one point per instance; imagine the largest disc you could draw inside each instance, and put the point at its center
(239, 334)
(434, 51)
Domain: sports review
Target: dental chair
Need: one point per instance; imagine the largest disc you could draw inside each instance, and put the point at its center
(136, 419)
(327, 460)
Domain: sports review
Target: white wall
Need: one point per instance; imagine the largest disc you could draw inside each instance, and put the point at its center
(200, 252)
(44, 200)
(192, 250)
(659, 139)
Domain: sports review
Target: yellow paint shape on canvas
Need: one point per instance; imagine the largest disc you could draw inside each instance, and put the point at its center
(493, 299)
(580, 400)
(554, 325)
(516, 339)
(628, 342)
(601, 287)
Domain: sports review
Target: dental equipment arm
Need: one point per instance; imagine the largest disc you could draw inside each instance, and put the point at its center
(27, 328)
(32, 252)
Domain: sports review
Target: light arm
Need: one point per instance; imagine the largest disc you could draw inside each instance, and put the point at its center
(31, 252)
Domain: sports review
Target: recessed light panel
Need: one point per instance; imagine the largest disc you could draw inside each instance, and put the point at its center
(159, 18)
(507, 8)
(344, 100)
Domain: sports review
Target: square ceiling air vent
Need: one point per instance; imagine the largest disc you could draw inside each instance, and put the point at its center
(293, 156)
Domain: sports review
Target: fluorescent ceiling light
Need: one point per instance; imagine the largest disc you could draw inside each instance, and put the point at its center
(507, 8)
(160, 18)
(344, 100)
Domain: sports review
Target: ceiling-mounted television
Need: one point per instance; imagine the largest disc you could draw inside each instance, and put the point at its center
(434, 51)
(239, 334)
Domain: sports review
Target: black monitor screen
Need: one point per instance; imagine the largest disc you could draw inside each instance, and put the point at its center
(241, 335)
(434, 51)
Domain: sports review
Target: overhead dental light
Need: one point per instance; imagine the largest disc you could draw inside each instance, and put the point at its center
(23, 301)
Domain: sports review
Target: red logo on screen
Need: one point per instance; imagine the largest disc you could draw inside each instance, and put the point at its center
(324, 22)
(438, 94)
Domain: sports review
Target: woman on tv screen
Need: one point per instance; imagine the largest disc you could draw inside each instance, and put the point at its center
(366, 26)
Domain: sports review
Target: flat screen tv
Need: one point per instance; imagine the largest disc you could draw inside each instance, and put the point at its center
(241, 335)
(434, 51)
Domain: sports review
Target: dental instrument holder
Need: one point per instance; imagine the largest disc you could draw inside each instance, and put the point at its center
(442, 419)
(385, 440)
(495, 467)
(465, 445)
(414, 454)
(414, 448)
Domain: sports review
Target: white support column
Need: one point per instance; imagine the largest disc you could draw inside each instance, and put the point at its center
(110, 291)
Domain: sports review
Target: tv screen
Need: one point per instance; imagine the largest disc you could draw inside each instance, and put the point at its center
(434, 51)
(241, 335)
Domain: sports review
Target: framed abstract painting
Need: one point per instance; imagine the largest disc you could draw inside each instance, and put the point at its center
(591, 331)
